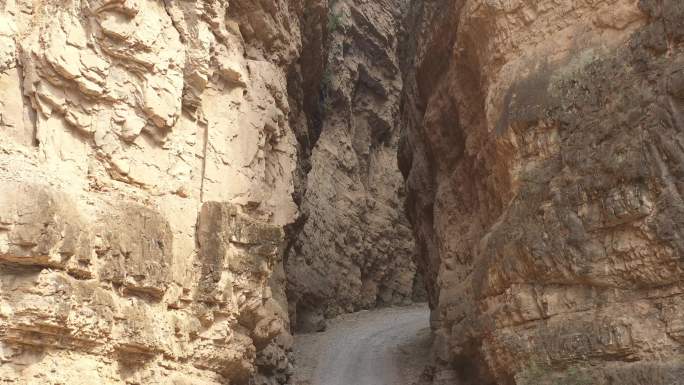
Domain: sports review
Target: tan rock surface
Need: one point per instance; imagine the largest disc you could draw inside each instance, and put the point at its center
(148, 170)
(173, 172)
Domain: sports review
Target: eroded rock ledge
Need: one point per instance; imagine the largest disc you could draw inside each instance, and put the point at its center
(94, 301)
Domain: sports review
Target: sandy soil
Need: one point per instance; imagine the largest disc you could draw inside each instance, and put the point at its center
(380, 347)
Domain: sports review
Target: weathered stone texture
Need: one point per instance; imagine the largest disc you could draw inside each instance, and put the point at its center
(168, 168)
(355, 249)
(149, 164)
(542, 152)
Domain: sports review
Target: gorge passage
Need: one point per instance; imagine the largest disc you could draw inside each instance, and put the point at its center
(184, 185)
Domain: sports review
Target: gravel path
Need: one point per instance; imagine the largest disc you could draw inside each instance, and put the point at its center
(380, 347)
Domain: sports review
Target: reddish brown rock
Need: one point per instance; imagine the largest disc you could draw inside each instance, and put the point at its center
(541, 156)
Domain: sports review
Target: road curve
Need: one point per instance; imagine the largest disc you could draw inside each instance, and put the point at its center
(381, 347)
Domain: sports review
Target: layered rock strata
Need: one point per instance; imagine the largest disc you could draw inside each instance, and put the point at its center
(542, 150)
(355, 248)
(149, 170)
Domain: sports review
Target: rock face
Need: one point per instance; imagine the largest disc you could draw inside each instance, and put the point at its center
(543, 156)
(150, 167)
(355, 248)
(174, 172)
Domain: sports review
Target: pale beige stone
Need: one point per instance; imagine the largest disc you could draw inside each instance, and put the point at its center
(119, 129)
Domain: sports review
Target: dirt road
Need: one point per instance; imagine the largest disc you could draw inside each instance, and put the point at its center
(381, 347)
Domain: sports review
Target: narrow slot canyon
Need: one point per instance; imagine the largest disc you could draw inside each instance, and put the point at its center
(341, 192)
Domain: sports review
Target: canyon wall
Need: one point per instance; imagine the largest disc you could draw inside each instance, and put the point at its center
(355, 248)
(543, 152)
(149, 174)
(182, 183)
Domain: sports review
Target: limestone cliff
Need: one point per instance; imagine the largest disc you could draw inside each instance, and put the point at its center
(543, 156)
(149, 170)
(355, 248)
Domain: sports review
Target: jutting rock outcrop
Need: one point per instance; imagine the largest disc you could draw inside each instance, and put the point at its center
(543, 156)
(149, 171)
(355, 248)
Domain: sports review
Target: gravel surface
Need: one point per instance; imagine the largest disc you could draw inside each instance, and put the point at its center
(380, 347)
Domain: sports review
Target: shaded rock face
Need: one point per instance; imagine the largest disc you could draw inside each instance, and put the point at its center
(152, 160)
(542, 152)
(355, 248)
(173, 172)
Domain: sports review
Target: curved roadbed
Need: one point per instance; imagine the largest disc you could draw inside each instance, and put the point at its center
(380, 347)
